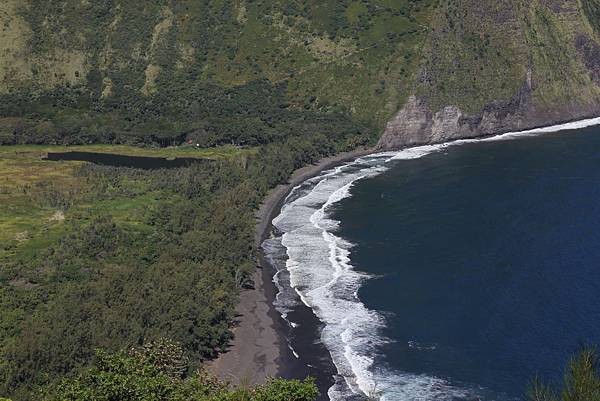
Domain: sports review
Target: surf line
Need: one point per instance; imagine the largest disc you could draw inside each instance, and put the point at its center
(350, 330)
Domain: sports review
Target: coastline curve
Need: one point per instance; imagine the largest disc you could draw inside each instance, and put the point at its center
(321, 275)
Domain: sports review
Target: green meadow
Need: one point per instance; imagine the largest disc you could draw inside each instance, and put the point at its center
(37, 196)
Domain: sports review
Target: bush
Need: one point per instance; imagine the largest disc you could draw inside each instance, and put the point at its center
(581, 381)
(147, 374)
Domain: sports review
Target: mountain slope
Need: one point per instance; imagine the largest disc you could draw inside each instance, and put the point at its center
(122, 70)
(496, 67)
(249, 72)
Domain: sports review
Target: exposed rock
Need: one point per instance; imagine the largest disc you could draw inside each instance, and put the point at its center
(446, 124)
(416, 124)
(412, 125)
(495, 67)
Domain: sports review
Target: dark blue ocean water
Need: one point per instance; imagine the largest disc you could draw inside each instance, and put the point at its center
(486, 257)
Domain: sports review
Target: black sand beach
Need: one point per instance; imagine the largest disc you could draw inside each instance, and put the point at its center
(260, 347)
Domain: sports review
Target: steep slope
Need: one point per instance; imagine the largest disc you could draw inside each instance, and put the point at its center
(492, 67)
(126, 71)
(252, 72)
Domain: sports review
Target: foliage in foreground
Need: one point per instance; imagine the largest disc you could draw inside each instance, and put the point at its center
(581, 381)
(155, 373)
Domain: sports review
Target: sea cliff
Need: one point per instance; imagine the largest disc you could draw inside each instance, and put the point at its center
(487, 69)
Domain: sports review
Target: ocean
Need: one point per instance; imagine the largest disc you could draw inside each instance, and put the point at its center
(448, 272)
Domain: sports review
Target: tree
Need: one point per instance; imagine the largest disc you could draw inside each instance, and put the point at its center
(153, 373)
(581, 381)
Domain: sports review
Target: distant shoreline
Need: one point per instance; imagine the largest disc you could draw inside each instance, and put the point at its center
(271, 205)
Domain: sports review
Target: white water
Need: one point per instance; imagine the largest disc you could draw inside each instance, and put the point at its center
(318, 269)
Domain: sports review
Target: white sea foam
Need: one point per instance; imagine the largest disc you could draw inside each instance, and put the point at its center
(573, 125)
(421, 347)
(420, 151)
(319, 273)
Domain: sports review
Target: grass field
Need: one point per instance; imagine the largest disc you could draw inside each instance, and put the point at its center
(37, 197)
(22, 217)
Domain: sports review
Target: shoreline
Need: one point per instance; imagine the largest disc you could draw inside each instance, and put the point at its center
(274, 201)
(260, 346)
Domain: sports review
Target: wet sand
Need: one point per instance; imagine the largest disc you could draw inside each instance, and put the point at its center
(260, 346)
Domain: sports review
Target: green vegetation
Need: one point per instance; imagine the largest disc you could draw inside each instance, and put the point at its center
(157, 372)
(471, 60)
(481, 53)
(241, 72)
(33, 196)
(99, 257)
(206, 114)
(559, 72)
(581, 381)
(249, 72)
(591, 9)
(104, 257)
(36, 196)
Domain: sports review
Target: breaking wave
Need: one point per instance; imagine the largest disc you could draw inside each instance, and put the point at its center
(314, 267)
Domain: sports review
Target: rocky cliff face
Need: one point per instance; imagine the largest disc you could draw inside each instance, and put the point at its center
(485, 72)
(416, 124)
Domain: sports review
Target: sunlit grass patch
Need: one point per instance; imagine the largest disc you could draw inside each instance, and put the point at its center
(24, 213)
(39, 198)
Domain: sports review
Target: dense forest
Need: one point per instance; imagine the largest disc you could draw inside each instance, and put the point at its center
(173, 271)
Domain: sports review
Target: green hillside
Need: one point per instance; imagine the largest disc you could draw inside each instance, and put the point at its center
(238, 71)
(252, 72)
(480, 53)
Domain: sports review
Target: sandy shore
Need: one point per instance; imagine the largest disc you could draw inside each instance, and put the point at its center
(259, 349)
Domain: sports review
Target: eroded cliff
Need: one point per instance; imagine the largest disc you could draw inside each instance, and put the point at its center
(509, 66)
